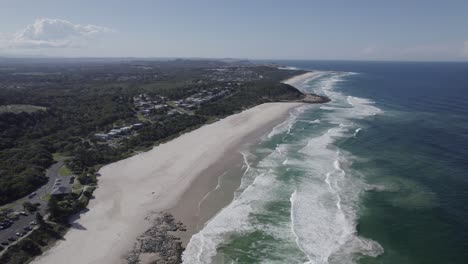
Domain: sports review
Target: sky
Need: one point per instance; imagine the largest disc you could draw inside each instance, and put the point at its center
(256, 29)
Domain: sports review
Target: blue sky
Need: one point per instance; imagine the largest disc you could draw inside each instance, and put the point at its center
(295, 29)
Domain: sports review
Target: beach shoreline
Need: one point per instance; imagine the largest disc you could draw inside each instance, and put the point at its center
(169, 192)
(195, 208)
(161, 180)
(300, 79)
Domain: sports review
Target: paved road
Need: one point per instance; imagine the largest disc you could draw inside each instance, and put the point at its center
(23, 221)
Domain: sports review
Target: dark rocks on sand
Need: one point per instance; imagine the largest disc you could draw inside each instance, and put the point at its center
(158, 241)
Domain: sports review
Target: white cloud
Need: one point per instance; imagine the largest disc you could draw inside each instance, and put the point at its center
(370, 50)
(465, 49)
(55, 33)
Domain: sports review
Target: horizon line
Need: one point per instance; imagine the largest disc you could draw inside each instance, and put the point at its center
(212, 58)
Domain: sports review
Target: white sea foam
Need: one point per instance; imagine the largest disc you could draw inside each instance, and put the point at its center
(245, 157)
(362, 107)
(324, 197)
(220, 178)
(316, 121)
(324, 218)
(233, 219)
(357, 131)
(292, 200)
(288, 123)
(324, 207)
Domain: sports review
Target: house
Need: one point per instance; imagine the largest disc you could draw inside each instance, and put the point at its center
(61, 190)
(159, 106)
(172, 112)
(112, 134)
(126, 130)
(101, 136)
(137, 125)
(116, 130)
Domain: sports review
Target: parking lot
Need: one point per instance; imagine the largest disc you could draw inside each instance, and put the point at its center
(20, 227)
(22, 222)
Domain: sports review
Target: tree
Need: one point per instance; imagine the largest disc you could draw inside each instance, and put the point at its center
(83, 178)
(29, 207)
(30, 247)
(40, 220)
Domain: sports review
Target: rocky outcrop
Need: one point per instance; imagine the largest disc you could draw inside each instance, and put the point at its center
(157, 245)
(315, 99)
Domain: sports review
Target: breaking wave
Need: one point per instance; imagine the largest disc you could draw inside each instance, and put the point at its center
(299, 203)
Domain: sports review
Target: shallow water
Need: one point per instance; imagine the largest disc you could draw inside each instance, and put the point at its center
(375, 176)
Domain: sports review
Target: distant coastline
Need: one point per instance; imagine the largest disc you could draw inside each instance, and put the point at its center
(301, 78)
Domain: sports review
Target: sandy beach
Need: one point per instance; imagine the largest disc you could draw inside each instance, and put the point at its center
(298, 80)
(176, 176)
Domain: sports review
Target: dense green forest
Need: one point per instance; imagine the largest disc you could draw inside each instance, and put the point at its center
(250, 95)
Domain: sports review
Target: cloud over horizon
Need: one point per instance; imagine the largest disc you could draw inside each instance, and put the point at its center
(54, 33)
(465, 49)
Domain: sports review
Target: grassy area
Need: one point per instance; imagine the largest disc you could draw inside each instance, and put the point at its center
(46, 197)
(141, 117)
(17, 108)
(212, 119)
(14, 204)
(64, 171)
(58, 156)
(77, 187)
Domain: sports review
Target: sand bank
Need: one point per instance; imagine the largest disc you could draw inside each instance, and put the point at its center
(176, 175)
(298, 80)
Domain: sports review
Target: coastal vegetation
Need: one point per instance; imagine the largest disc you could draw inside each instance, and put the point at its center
(71, 109)
(75, 105)
(20, 108)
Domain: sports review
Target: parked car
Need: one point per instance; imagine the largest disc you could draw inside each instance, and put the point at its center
(32, 195)
(27, 228)
(19, 234)
(14, 217)
(4, 243)
(23, 213)
(33, 223)
(12, 239)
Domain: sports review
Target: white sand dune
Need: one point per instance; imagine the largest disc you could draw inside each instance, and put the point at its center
(153, 181)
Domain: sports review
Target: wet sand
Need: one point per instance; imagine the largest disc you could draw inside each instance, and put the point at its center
(180, 177)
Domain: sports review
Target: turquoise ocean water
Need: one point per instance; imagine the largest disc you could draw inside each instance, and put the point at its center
(378, 175)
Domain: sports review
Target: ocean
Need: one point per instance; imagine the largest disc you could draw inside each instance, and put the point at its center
(378, 175)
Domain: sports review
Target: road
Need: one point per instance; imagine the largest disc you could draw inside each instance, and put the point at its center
(23, 221)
